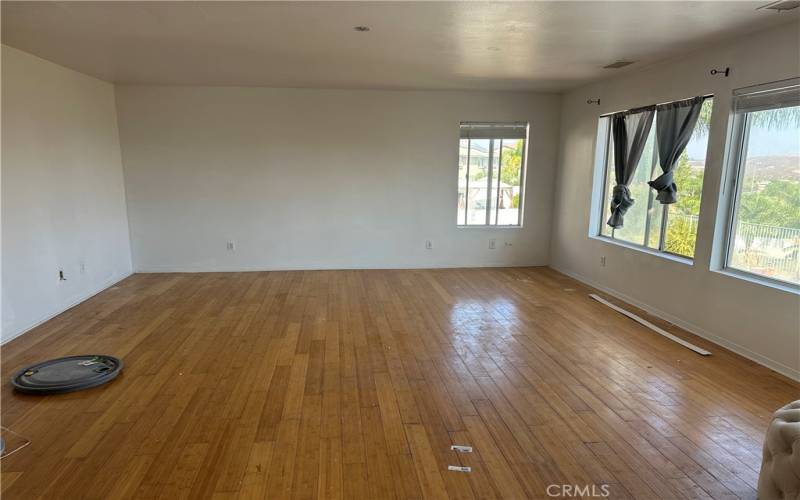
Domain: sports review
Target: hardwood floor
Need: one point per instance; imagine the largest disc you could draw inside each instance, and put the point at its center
(354, 384)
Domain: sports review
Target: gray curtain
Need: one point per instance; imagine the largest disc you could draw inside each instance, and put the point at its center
(674, 126)
(630, 131)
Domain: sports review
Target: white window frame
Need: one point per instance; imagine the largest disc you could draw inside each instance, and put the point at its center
(522, 178)
(732, 187)
(603, 149)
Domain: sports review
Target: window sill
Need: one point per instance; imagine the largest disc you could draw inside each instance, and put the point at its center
(656, 253)
(759, 280)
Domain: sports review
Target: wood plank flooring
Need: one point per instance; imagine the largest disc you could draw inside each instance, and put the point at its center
(354, 384)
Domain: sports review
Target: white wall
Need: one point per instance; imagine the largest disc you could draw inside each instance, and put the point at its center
(303, 178)
(63, 199)
(760, 322)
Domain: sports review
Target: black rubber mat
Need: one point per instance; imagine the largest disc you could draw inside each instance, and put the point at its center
(68, 374)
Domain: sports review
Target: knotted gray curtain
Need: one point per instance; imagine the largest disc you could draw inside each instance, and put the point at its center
(674, 126)
(630, 131)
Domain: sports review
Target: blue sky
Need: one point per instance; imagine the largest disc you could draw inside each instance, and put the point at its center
(763, 142)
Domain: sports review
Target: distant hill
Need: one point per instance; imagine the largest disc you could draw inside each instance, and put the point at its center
(768, 168)
(775, 167)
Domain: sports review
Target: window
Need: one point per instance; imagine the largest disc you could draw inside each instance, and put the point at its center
(491, 174)
(764, 231)
(669, 228)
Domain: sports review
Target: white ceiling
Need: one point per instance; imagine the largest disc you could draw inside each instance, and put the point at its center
(436, 45)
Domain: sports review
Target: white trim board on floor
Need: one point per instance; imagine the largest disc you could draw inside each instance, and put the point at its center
(83, 298)
(651, 326)
(776, 366)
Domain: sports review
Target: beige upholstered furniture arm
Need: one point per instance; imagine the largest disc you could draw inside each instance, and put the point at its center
(780, 467)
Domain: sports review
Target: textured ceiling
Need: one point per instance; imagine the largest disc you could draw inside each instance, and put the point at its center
(411, 45)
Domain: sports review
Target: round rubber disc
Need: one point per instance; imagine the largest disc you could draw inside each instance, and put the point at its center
(71, 373)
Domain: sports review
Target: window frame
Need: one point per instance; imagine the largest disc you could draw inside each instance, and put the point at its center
(731, 190)
(490, 175)
(650, 199)
(600, 207)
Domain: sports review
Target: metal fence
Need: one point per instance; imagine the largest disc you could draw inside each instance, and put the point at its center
(768, 250)
(761, 248)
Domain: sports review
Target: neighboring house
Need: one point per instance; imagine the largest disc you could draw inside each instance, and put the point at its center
(478, 192)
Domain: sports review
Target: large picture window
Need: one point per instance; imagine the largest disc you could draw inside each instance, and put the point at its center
(764, 232)
(491, 174)
(671, 227)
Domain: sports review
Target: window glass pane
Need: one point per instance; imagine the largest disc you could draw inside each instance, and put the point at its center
(495, 180)
(463, 147)
(645, 222)
(766, 228)
(656, 213)
(655, 210)
(633, 230)
(478, 181)
(681, 233)
(491, 169)
(510, 181)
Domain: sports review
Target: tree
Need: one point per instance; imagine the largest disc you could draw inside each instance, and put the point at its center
(772, 119)
(690, 186)
(681, 236)
(681, 232)
(511, 165)
(775, 204)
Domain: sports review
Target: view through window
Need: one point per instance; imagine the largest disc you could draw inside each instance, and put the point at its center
(765, 229)
(491, 172)
(668, 228)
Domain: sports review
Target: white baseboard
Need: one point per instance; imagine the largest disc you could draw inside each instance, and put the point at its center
(776, 366)
(146, 269)
(108, 284)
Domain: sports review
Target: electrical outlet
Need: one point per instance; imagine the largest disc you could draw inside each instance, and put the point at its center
(491, 243)
(231, 246)
(428, 244)
(82, 267)
(603, 261)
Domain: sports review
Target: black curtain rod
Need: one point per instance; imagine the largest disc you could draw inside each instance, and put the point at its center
(604, 115)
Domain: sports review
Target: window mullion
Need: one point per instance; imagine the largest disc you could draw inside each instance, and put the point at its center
(604, 203)
(522, 181)
(489, 186)
(663, 235)
(647, 222)
(466, 189)
(497, 198)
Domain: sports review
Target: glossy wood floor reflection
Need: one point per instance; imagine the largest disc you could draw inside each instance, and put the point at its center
(354, 384)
